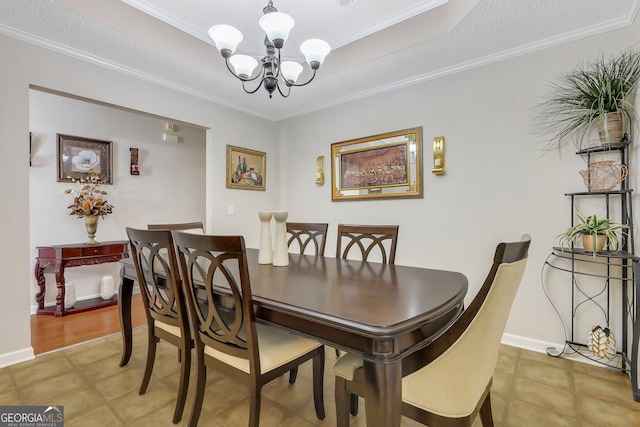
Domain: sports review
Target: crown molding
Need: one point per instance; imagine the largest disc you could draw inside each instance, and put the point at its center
(92, 59)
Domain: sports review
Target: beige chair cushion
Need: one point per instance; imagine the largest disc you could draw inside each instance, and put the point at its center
(276, 348)
(173, 330)
(451, 385)
(347, 365)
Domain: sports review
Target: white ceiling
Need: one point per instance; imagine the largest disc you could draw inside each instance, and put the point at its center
(378, 45)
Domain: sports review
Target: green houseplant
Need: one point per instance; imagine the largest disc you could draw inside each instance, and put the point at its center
(595, 94)
(594, 233)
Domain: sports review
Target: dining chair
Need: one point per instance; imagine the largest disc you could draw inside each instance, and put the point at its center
(448, 382)
(188, 227)
(165, 307)
(307, 234)
(226, 335)
(368, 239)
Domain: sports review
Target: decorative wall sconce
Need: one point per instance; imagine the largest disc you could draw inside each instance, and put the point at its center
(438, 155)
(320, 170)
(134, 161)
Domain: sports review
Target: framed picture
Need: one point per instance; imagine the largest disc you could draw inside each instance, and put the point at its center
(80, 157)
(381, 166)
(246, 169)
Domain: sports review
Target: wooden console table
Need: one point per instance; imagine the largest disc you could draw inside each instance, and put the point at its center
(58, 257)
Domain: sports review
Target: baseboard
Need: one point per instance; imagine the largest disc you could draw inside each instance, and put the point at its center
(14, 357)
(540, 346)
(531, 344)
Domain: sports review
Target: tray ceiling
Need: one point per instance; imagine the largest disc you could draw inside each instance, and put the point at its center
(378, 45)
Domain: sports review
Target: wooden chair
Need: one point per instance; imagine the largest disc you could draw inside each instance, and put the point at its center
(368, 239)
(304, 233)
(448, 383)
(226, 335)
(165, 307)
(187, 227)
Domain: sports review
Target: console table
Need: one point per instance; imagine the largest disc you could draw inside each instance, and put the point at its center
(58, 257)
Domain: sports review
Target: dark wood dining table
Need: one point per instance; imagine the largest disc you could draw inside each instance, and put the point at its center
(382, 312)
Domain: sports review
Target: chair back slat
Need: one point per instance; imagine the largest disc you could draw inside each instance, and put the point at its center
(158, 275)
(218, 293)
(307, 234)
(368, 240)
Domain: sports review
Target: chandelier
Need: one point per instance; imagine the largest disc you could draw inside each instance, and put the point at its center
(273, 73)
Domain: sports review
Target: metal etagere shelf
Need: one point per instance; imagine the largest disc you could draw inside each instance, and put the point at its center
(597, 280)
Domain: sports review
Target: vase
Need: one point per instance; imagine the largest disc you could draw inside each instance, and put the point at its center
(91, 224)
(610, 128)
(587, 243)
(69, 294)
(280, 247)
(265, 251)
(107, 288)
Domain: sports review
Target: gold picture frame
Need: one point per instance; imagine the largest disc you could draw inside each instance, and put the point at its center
(246, 169)
(79, 158)
(384, 166)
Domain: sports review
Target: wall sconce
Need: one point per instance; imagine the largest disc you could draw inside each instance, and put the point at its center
(438, 155)
(134, 170)
(320, 170)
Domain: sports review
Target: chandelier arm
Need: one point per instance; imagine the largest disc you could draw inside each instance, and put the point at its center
(305, 83)
(251, 91)
(226, 61)
(282, 94)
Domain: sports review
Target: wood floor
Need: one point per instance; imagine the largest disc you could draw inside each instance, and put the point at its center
(51, 333)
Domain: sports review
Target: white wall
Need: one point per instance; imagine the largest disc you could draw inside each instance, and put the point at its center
(497, 186)
(24, 65)
(157, 195)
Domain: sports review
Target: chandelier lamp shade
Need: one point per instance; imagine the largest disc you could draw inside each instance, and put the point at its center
(273, 73)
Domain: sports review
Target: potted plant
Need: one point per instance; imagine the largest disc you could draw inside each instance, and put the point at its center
(595, 94)
(594, 233)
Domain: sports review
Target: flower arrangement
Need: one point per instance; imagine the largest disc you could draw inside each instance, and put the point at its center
(89, 200)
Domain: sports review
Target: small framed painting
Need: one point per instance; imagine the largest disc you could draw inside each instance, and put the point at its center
(80, 157)
(246, 169)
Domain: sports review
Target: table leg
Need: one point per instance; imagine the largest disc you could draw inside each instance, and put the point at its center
(124, 308)
(42, 285)
(59, 273)
(383, 393)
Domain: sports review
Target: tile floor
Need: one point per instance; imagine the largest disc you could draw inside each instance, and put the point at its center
(530, 389)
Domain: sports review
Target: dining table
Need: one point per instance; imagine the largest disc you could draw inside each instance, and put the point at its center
(382, 312)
